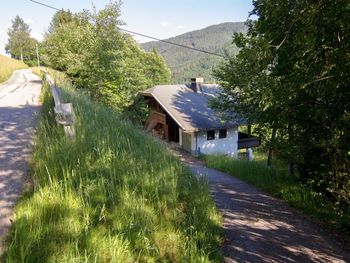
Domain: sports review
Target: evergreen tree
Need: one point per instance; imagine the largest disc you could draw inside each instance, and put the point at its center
(60, 18)
(20, 44)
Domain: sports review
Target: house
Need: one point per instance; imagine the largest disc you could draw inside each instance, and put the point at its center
(181, 114)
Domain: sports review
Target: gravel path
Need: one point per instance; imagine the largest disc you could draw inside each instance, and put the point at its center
(260, 228)
(19, 106)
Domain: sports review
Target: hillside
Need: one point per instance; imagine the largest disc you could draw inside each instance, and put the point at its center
(8, 65)
(114, 194)
(185, 63)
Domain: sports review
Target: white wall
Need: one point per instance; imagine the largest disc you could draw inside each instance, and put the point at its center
(228, 145)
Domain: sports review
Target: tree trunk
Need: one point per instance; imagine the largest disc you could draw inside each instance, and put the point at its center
(22, 54)
(249, 129)
(37, 54)
(290, 153)
(269, 154)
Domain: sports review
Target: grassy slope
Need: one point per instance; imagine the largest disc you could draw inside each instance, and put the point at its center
(185, 63)
(276, 182)
(112, 195)
(38, 70)
(7, 66)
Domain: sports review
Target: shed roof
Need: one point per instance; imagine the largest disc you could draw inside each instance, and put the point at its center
(190, 109)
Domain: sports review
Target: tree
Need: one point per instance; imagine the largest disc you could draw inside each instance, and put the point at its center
(292, 76)
(59, 19)
(92, 50)
(20, 44)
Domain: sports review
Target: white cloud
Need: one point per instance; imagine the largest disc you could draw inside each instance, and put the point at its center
(29, 21)
(181, 27)
(164, 24)
(2, 32)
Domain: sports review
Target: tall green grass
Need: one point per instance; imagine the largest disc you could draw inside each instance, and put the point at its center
(7, 66)
(276, 182)
(113, 194)
(39, 71)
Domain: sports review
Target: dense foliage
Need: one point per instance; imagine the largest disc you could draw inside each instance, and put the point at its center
(20, 45)
(113, 194)
(185, 63)
(292, 78)
(92, 50)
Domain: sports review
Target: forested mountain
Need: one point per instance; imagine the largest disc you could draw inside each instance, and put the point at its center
(185, 63)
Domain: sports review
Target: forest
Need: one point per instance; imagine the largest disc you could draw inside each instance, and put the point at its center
(186, 63)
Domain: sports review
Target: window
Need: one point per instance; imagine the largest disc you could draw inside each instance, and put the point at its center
(210, 135)
(222, 133)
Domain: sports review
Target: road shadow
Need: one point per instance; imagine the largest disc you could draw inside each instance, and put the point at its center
(16, 142)
(260, 228)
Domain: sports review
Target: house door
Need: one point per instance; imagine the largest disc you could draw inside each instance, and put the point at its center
(174, 133)
(173, 129)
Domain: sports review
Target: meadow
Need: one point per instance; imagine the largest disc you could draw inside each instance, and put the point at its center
(113, 194)
(7, 66)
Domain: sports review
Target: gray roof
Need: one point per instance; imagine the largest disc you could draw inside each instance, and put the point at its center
(190, 110)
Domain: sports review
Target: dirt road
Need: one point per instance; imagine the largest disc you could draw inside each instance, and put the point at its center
(19, 108)
(260, 228)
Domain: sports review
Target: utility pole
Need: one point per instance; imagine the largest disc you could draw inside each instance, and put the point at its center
(21, 54)
(37, 54)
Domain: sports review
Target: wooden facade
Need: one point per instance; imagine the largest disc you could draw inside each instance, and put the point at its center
(160, 123)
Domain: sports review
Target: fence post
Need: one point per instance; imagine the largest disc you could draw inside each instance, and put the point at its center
(64, 111)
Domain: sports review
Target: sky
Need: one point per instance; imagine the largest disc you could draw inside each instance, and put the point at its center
(157, 18)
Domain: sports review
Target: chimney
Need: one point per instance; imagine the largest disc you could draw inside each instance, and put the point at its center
(196, 84)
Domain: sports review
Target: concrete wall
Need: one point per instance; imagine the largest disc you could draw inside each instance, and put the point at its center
(228, 145)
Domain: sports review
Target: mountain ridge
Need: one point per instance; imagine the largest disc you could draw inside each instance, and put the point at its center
(185, 63)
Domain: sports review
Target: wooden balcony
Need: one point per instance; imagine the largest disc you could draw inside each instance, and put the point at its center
(247, 141)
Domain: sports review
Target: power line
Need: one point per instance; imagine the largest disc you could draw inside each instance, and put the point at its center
(49, 6)
(143, 35)
(172, 43)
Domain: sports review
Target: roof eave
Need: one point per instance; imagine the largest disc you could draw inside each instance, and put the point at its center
(212, 128)
(167, 111)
